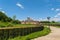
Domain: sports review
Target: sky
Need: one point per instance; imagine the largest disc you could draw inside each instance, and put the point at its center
(35, 9)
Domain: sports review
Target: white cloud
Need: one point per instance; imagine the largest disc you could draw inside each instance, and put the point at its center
(52, 9)
(58, 14)
(40, 19)
(55, 19)
(51, 19)
(20, 5)
(43, 19)
(3, 11)
(57, 9)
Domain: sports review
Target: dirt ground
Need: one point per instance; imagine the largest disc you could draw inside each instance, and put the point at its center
(54, 35)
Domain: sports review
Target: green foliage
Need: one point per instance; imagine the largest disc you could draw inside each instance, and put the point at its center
(2, 26)
(44, 22)
(4, 17)
(48, 18)
(53, 21)
(16, 22)
(28, 39)
(9, 19)
(11, 32)
(14, 17)
(10, 25)
(39, 33)
(33, 35)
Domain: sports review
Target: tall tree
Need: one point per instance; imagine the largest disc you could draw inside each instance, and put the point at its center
(14, 17)
(4, 17)
(48, 18)
(49, 21)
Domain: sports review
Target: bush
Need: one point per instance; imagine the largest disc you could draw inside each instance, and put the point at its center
(14, 32)
(10, 25)
(16, 22)
(4, 17)
(34, 35)
(28, 38)
(2, 26)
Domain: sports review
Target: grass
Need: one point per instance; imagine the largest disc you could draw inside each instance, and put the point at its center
(5, 24)
(27, 37)
(33, 35)
(24, 25)
(57, 24)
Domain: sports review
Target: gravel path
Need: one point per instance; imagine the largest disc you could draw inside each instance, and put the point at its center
(54, 35)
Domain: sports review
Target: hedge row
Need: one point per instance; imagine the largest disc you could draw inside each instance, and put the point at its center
(14, 32)
(51, 24)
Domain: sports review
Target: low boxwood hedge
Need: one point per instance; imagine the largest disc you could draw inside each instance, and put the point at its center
(44, 32)
(12, 32)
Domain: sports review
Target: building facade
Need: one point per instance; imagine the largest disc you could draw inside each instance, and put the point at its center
(29, 21)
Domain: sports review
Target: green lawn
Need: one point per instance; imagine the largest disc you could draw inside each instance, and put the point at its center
(24, 25)
(33, 35)
(9, 24)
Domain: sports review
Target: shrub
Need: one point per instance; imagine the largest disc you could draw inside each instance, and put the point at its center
(28, 38)
(2, 26)
(16, 22)
(10, 25)
(34, 35)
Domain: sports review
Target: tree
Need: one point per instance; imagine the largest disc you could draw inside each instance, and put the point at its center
(14, 17)
(4, 17)
(44, 22)
(16, 22)
(9, 19)
(53, 21)
(48, 18)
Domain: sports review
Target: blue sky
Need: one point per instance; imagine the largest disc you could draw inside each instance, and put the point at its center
(36, 9)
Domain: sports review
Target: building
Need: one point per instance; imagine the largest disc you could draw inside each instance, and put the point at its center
(29, 21)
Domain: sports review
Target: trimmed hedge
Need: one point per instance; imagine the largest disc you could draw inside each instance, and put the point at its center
(14, 32)
(51, 24)
(44, 32)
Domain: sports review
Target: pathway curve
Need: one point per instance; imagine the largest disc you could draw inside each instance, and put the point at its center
(54, 35)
